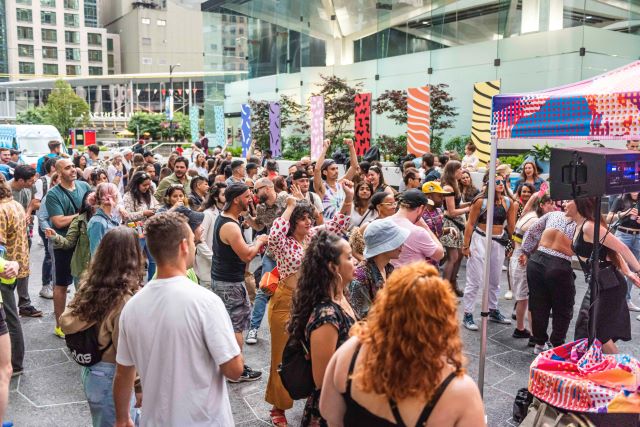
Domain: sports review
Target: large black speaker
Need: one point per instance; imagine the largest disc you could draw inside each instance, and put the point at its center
(592, 172)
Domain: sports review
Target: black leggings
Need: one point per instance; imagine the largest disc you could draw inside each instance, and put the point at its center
(551, 287)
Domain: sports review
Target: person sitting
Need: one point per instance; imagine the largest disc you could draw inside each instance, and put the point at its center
(470, 161)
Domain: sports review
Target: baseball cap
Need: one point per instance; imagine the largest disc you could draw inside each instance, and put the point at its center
(232, 191)
(53, 144)
(326, 164)
(382, 236)
(414, 198)
(300, 174)
(193, 218)
(434, 187)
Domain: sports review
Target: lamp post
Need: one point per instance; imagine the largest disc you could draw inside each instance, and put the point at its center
(171, 68)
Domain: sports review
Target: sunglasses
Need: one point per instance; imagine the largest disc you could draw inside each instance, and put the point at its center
(176, 186)
(499, 182)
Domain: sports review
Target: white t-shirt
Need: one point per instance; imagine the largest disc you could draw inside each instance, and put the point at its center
(39, 194)
(177, 334)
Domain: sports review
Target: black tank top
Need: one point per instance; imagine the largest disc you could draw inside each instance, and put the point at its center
(584, 249)
(356, 415)
(226, 265)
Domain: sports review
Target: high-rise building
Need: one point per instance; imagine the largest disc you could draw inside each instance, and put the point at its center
(49, 38)
(4, 68)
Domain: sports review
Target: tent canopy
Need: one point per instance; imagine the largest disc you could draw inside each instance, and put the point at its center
(603, 107)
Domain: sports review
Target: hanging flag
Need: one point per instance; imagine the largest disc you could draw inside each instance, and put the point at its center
(179, 92)
(245, 127)
(163, 91)
(168, 107)
(195, 89)
(317, 126)
(171, 92)
(483, 93)
(218, 113)
(155, 91)
(194, 117)
(363, 123)
(138, 92)
(274, 129)
(418, 120)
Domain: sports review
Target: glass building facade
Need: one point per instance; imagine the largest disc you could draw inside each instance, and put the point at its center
(4, 67)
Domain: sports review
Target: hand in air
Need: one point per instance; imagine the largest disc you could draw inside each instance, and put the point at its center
(296, 193)
(348, 189)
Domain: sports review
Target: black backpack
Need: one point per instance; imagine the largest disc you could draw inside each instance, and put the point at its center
(84, 346)
(295, 370)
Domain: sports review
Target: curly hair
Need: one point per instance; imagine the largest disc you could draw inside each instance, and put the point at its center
(302, 208)
(317, 282)
(116, 268)
(214, 193)
(411, 334)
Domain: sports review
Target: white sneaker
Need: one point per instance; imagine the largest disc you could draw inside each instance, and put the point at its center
(540, 348)
(638, 318)
(508, 295)
(252, 337)
(632, 306)
(47, 292)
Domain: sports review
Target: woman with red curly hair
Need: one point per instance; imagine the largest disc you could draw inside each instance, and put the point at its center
(404, 366)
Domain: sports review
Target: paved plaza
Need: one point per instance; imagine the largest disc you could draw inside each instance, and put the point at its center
(49, 393)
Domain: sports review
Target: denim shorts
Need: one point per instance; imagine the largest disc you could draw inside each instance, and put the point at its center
(236, 300)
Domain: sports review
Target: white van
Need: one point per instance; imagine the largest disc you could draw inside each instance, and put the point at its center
(31, 140)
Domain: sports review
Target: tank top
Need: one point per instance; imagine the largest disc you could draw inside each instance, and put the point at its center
(499, 212)
(584, 249)
(358, 416)
(226, 265)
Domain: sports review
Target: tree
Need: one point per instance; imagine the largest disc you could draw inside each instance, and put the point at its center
(339, 103)
(32, 116)
(293, 116)
(158, 126)
(65, 109)
(442, 113)
(394, 104)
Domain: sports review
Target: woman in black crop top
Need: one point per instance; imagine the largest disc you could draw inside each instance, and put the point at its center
(403, 376)
(611, 313)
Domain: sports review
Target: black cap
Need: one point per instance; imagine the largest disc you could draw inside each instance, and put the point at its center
(326, 164)
(147, 154)
(232, 191)
(300, 174)
(414, 198)
(193, 218)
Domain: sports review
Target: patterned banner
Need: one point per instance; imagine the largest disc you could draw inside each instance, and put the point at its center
(483, 93)
(274, 129)
(363, 123)
(194, 118)
(317, 126)
(245, 128)
(418, 120)
(220, 137)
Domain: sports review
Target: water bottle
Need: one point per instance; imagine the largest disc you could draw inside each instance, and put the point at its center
(4, 281)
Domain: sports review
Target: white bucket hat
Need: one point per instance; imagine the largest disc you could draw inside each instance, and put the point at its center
(382, 236)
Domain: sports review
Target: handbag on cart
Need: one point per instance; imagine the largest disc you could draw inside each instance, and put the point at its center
(543, 415)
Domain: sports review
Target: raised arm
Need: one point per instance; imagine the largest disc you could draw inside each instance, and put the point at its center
(353, 160)
(318, 183)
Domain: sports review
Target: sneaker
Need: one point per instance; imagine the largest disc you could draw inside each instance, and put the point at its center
(57, 331)
(540, 348)
(632, 306)
(531, 342)
(518, 333)
(252, 336)
(47, 291)
(468, 322)
(247, 375)
(496, 316)
(508, 295)
(30, 311)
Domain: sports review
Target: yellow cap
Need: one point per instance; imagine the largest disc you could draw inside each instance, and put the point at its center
(433, 187)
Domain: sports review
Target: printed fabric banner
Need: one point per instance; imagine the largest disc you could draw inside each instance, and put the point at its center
(245, 128)
(418, 120)
(194, 117)
(363, 123)
(317, 126)
(218, 112)
(483, 93)
(275, 143)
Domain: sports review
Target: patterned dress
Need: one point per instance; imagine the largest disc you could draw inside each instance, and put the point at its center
(13, 235)
(331, 313)
(367, 281)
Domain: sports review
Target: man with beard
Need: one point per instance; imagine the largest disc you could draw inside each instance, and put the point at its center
(230, 256)
(325, 179)
(301, 179)
(178, 177)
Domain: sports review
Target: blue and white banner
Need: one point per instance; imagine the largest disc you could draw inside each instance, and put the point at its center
(245, 128)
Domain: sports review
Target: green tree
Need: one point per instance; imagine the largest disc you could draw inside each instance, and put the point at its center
(32, 116)
(65, 109)
(339, 103)
(158, 126)
(457, 144)
(293, 116)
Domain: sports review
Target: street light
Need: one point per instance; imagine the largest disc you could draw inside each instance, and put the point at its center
(171, 68)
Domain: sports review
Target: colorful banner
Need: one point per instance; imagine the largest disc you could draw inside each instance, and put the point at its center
(363, 123)
(168, 107)
(194, 118)
(317, 126)
(245, 128)
(483, 93)
(274, 129)
(418, 120)
(603, 107)
(220, 137)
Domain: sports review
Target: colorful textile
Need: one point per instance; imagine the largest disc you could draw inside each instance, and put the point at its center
(418, 120)
(606, 106)
(317, 126)
(483, 93)
(577, 378)
(362, 123)
(274, 129)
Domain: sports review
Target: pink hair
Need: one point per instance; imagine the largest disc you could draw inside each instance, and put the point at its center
(107, 193)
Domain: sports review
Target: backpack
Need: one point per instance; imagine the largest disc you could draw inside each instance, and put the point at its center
(84, 346)
(295, 370)
(45, 185)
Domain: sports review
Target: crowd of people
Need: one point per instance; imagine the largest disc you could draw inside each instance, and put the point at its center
(176, 264)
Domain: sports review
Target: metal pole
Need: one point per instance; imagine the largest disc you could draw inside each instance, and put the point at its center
(171, 99)
(491, 201)
(595, 268)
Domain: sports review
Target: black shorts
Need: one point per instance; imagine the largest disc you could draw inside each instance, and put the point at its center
(4, 329)
(62, 261)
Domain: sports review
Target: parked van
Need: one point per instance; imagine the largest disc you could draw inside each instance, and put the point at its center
(31, 140)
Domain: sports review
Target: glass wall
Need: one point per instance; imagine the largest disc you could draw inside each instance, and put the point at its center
(4, 68)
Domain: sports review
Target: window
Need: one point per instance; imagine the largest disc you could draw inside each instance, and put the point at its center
(24, 15)
(71, 20)
(110, 60)
(73, 70)
(94, 39)
(72, 37)
(72, 54)
(26, 68)
(161, 23)
(49, 52)
(95, 71)
(146, 21)
(25, 33)
(146, 41)
(27, 2)
(110, 45)
(50, 69)
(47, 17)
(90, 13)
(49, 35)
(95, 55)
(71, 4)
(25, 50)
(48, 3)
(146, 61)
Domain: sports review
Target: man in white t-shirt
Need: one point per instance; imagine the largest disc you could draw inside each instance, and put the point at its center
(178, 337)
(42, 185)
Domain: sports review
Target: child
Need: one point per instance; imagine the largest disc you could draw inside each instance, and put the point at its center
(470, 161)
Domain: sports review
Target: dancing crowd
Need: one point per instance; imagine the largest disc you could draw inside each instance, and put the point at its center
(175, 265)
